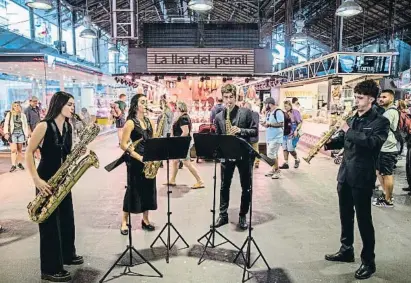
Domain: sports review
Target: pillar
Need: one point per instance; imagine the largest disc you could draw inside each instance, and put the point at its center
(288, 31)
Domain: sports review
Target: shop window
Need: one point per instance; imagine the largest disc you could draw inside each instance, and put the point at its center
(45, 31)
(14, 18)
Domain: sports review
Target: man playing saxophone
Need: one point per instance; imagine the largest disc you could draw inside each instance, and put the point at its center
(362, 137)
(235, 121)
(57, 234)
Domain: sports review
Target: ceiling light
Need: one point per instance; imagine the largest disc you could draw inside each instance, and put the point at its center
(88, 33)
(348, 9)
(200, 5)
(113, 50)
(40, 4)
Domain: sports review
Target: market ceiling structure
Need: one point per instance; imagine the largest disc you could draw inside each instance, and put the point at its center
(377, 22)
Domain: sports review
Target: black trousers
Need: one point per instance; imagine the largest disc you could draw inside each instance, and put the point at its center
(245, 168)
(360, 199)
(57, 238)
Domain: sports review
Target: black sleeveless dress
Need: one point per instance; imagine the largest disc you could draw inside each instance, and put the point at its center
(57, 232)
(141, 194)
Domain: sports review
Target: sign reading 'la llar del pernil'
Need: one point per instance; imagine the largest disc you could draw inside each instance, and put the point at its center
(200, 60)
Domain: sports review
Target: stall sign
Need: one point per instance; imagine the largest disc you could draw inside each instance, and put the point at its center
(337, 81)
(364, 64)
(297, 93)
(200, 60)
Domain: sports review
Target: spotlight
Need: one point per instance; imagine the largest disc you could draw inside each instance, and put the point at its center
(156, 78)
(179, 79)
(224, 79)
(247, 80)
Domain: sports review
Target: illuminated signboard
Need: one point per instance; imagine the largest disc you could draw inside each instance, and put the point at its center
(364, 64)
(200, 60)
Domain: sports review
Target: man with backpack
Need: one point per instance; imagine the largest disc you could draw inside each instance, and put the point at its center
(389, 151)
(274, 134)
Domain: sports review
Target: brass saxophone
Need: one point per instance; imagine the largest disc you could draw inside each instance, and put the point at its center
(151, 167)
(327, 136)
(66, 176)
(228, 124)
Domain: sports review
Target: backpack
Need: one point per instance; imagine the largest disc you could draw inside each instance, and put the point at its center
(287, 122)
(397, 133)
(405, 123)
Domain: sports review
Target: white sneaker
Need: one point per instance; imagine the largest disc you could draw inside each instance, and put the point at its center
(276, 175)
(269, 174)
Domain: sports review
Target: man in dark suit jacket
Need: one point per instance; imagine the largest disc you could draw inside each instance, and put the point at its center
(362, 137)
(245, 127)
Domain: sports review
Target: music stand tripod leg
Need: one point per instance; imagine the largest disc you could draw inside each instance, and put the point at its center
(130, 248)
(250, 240)
(210, 235)
(168, 225)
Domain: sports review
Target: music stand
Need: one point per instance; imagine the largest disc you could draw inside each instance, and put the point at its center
(166, 149)
(246, 147)
(214, 147)
(130, 248)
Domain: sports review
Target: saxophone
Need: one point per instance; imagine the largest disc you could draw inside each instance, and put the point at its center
(228, 124)
(327, 136)
(66, 176)
(151, 167)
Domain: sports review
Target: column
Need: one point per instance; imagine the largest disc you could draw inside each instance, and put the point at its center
(337, 40)
(288, 31)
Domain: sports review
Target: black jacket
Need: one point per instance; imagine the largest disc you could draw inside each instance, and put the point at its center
(362, 144)
(242, 118)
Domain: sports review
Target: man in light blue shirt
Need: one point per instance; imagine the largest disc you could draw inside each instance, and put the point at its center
(274, 134)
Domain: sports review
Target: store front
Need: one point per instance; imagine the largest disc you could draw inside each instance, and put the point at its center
(23, 76)
(325, 87)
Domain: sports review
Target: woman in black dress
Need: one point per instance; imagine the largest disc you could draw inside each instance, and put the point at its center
(141, 193)
(54, 137)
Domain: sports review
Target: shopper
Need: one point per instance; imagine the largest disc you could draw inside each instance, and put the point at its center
(389, 151)
(182, 127)
(32, 113)
(274, 134)
(290, 140)
(119, 113)
(16, 130)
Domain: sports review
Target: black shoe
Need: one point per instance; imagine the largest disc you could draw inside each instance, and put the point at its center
(221, 221)
(13, 168)
(285, 166)
(76, 260)
(341, 257)
(20, 166)
(62, 276)
(365, 271)
(124, 232)
(406, 189)
(147, 227)
(242, 223)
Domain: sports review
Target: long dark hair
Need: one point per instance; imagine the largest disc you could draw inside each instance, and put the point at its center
(132, 112)
(57, 103)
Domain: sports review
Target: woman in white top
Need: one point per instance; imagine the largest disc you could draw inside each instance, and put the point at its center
(16, 132)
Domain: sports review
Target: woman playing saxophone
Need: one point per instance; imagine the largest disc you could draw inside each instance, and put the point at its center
(141, 193)
(54, 137)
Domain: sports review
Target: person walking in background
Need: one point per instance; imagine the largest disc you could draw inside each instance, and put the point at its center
(182, 128)
(16, 130)
(254, 140)
(274, 134)
(32, 113)
(290, 140)
(118, 111)
(216, 109)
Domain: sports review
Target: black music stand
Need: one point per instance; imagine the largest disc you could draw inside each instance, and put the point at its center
(166, 149)
(214, 147)
(248, 149)
(130, 248)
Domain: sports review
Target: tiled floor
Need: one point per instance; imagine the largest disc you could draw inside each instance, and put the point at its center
(296, 223)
